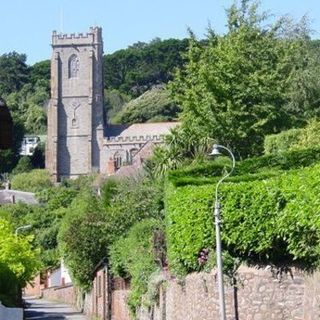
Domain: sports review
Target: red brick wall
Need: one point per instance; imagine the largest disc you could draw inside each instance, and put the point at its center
(33, 288)
(120, 293)
(99, 294)
(66, 294)
(120, 310)
(97, 302)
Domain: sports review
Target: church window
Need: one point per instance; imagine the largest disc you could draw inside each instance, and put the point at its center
(118, 160)
(73, 66)
(133, 152)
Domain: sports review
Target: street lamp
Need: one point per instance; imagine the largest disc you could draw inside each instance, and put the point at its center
(22, 228)
(217, 222)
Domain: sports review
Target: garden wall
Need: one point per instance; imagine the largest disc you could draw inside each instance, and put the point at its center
(260, 294)
(65, 294)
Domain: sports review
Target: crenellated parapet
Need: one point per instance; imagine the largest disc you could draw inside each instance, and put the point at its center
(94, 36)
(133, 139)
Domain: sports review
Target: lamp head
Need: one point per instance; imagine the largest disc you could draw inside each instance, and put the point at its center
(215, 151)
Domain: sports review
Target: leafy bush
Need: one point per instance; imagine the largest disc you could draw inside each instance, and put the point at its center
(135, 256)
(83, 238)
(9, 287)
(308, 137)
(154, 105)
(33, 181)
(268, 221)
(282, 141)
(17, 253)
(24, 165)
(129, 201)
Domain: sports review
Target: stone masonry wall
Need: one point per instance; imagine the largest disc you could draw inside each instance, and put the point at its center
(259, 294)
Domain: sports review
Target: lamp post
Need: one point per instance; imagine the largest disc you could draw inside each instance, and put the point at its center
(217, 222)
(22, 228)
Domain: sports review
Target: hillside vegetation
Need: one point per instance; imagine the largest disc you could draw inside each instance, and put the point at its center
(154, 105)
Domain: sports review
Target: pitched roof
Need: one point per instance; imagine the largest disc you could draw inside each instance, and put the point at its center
(141, 129)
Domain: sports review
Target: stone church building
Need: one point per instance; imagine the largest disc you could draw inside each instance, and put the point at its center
(78, 140)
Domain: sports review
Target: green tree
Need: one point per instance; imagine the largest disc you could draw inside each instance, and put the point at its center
(233, 88)
(114, 101)
(40, 71)
(17, 254)
(27, 106)
(83, 238)
(13, 72)
(139, 67)
(24, 165)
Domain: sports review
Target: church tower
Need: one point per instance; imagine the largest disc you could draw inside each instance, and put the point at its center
(75, 113)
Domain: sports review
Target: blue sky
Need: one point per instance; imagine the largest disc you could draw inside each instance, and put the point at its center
(26, 25)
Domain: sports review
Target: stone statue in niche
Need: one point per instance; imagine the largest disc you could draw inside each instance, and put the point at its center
(73, 66)
(75, 105)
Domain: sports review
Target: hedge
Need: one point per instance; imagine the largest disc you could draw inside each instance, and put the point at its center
(307, 137)
(268, 221)
(250, 169)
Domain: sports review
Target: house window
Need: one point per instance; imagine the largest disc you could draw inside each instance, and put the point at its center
(73, 66)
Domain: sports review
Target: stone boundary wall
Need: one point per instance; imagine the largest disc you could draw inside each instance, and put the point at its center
(65, 294)
(259, 294)
(254, 294)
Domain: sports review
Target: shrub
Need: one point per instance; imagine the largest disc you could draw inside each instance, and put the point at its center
(9, 287)
(269, 221)
(24, 165)
(129, 201)
(308, 137)
(83, 238)
(282, 141)
(33, 181)
(17, 253)
(154, 105)
(135, 257)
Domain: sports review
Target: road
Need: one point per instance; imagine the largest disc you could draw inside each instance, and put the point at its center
(39, 309)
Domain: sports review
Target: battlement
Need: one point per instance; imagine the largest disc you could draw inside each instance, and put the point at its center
(94, 36)
(133, 139)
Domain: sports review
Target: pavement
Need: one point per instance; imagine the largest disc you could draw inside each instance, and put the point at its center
(40, 309)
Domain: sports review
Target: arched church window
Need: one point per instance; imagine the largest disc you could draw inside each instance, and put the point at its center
(117, 159)
(133, 152)
(73, 66)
